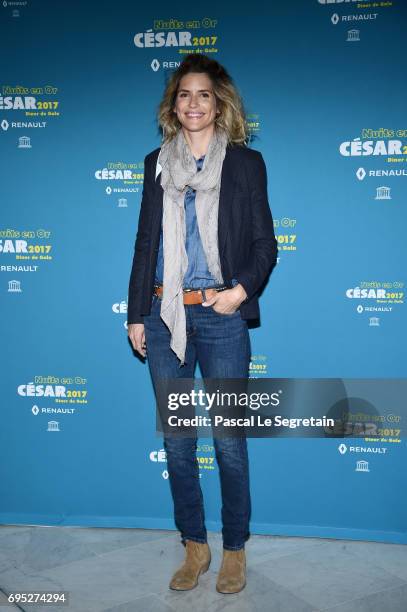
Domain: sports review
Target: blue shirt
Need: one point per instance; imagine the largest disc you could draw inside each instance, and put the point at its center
(197, 274)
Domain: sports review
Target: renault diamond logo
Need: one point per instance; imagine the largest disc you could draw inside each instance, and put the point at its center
(155, 65)
(361, 173)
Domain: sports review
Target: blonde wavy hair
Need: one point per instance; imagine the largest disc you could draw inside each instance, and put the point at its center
(232, 116)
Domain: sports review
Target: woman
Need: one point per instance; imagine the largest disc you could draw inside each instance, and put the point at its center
(205, 246)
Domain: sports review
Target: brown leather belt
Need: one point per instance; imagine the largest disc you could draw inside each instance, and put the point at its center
(193, 296)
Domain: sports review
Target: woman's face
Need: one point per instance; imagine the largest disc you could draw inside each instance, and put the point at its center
(195, 103)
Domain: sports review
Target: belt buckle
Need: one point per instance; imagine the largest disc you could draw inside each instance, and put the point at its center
(198, 290)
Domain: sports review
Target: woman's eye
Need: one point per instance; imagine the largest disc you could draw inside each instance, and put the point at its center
(184, 94)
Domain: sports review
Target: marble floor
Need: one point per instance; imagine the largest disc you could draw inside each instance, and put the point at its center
(128, 570)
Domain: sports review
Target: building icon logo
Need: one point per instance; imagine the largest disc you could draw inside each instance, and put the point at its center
(353, 36)
(383, 193)
(24, 142)
(362, 466)
(14, 286)
(53, 426)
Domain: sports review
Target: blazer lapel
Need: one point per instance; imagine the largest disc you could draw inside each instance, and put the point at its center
(227, 187)
(159, 192)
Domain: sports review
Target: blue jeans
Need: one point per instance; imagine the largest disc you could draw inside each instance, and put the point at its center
(221, 344)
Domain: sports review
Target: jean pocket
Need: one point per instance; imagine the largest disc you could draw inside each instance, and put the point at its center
(226, 314)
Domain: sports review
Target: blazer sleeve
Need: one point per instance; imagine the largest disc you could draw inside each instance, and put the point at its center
(263, 251)
(141, 248)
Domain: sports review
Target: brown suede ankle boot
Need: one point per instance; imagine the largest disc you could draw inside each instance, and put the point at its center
(232, 574)
(197, 560)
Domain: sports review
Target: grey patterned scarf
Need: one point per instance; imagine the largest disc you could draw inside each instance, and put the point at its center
(178, 172)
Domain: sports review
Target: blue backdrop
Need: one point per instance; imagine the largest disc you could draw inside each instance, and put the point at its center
(324, 88)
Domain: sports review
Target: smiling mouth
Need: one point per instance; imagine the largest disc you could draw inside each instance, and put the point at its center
(194, 115)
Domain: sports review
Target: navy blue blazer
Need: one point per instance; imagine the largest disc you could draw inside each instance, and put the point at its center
(247, 244)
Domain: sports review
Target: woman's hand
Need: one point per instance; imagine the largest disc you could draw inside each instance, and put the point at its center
(227, 301)
(135, 331)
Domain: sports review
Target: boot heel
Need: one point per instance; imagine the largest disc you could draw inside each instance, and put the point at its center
(205, 567)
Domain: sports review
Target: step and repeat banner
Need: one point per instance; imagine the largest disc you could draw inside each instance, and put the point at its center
(323, 82)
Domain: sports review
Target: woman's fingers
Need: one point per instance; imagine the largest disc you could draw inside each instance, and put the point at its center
(224, 302)
(211, 301)
(137, 338)
(140, 343)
